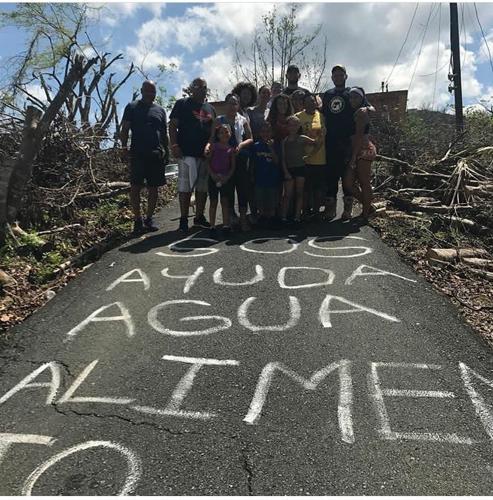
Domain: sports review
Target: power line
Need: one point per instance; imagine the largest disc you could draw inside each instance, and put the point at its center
(484, 37)
(404, 43)
(438, 54)
(421, 46)
(434, 72)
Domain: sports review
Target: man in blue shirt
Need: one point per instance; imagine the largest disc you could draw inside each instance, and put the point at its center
(148, 152)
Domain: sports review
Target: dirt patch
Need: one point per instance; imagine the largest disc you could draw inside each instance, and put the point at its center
(472, 294)
(36, 265)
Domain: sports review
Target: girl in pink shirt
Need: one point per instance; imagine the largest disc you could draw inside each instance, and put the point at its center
(221, 167)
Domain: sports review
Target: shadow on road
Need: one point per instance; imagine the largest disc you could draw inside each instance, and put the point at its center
(188, 242)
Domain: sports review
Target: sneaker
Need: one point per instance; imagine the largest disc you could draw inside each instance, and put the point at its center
(138, 226)
(213, 233)
(201, 221)
(330, 209)
(183, 224)
(226, 231)
(150, 225)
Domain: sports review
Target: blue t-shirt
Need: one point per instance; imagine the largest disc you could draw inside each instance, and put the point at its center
(148, 126)
(267, 173)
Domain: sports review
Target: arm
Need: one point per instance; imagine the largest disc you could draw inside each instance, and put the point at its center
(368, 106)
(309, 140)
(213, 176)
(125, 128)
(164, 139)
(208, 146)
(248, 140)
(174, 125)
(232, 159)
(275, 158)
(173, 135)
(287, 175)
(361, 119)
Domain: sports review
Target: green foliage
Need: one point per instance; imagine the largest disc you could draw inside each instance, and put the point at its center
(31, 240)
(51, 27)
(479, 127)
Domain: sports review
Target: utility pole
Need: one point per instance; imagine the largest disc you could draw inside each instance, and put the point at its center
(455, 77)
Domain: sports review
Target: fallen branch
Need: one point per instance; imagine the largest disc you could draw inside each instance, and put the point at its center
(102, 196)
(453, 254)
(472, 226)
(483, 274)
(60, 229)
(394, 160)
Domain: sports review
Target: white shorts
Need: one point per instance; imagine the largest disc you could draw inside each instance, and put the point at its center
(192, 174)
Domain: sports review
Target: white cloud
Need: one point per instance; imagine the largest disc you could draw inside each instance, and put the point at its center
(233, 19)
(483, 54)
(36, 91)
(115, 13)
(149, 60)
(217, 70)
(365, 37)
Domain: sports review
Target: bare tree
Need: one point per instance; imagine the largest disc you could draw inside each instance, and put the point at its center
(79, 96)
(277, 44)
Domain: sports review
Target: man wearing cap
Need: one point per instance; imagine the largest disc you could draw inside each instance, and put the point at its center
(292, 76)
(338, 116)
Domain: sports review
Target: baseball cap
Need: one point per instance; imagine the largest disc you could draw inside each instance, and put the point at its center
(339, 67)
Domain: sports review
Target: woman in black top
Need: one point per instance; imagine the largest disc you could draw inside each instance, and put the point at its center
(363, 152)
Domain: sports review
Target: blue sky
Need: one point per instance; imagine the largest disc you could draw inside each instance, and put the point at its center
(199, 38)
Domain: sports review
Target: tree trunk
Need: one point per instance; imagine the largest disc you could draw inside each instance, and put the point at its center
(36, 125)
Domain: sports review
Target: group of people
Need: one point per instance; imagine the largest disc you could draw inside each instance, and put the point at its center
(280, 152)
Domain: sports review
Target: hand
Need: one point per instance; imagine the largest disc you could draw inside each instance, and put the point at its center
(175, 149)
(207, 150)
(287, 177)
(237, 150)
(270, 143)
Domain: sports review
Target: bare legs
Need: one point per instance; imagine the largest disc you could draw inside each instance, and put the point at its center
(295, 187)
(363, 193)
(224, 209)
(135, 200)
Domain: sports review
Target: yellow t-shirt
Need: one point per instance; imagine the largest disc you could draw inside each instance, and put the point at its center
(312, 126)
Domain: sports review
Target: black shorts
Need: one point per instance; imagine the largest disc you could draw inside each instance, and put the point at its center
(148, 169)
(316, 177)
(297, 172)
(338, 156)
(226, 190)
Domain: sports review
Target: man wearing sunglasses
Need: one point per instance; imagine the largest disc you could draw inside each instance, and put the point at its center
(190, 127)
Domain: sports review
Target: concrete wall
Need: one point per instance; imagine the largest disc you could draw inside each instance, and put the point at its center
(389, 105)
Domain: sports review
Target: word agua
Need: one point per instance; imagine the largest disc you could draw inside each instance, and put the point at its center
(328, 306)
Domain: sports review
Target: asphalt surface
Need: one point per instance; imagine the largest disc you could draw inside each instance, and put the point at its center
(364, 385)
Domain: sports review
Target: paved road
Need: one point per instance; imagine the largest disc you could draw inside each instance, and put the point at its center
(275, 366)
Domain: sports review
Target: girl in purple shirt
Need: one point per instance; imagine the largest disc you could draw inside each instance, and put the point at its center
(221, 168)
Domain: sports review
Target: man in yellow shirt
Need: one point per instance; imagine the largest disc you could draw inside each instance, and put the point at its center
(312, 124)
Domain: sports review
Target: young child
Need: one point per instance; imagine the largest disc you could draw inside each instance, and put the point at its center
(293, 162)
(221, 168)
(267, 175)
